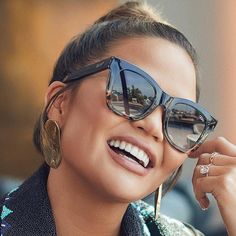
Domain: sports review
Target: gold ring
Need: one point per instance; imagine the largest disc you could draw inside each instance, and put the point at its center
(213, 155)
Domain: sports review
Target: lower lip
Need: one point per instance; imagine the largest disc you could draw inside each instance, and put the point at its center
(128, 165)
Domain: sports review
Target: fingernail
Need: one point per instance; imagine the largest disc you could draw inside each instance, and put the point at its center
(203, 206)
(204, 209)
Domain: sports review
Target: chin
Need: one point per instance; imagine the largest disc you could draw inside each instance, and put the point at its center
(125, 193)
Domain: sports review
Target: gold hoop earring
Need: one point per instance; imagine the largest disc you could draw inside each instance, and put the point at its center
(157, 201)
(51, 140)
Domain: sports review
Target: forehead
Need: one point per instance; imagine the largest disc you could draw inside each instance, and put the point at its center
(167, 63)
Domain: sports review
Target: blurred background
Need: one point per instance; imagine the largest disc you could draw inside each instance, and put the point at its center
(34, 32)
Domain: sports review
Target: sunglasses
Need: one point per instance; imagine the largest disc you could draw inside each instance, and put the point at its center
(133, 94)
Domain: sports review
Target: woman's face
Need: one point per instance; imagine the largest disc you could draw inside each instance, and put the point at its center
(88, 125)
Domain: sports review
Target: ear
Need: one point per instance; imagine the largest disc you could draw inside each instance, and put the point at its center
(57, 109)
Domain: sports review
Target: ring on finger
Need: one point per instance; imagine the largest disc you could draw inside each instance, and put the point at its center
(212, 156)
(204, 170)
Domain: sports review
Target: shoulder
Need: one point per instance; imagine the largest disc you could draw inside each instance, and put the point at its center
(22, 209)
(163, 224)
(5, 213)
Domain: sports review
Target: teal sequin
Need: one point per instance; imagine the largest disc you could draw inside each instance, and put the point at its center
(5, 212)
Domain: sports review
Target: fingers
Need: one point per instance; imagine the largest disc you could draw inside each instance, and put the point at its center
(215, 173)
(213, 170)
(219, 178)
(222, 187)
(218, 160)
(220, 145)
(201, 187)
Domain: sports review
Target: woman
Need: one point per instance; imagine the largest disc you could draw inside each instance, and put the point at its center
(120, 118)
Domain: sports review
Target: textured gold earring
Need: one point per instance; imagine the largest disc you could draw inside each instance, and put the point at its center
(157, 201)
(51, 143)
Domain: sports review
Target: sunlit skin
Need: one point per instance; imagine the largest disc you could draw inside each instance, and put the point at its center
(88, 176)
(90, 191)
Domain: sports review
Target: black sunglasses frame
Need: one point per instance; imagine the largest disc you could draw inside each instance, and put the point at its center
(116, 68)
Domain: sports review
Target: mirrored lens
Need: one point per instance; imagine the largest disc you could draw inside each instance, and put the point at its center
(185, 125)
(132, 94)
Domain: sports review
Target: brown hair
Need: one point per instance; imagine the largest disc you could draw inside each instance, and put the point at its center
(132, 19)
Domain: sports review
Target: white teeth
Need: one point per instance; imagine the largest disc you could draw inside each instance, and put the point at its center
(133, 150)
(128, 147)
(112, 142)
(128, 158)
(117, 143)
(122, 145)
(141, 155)
(145, 159)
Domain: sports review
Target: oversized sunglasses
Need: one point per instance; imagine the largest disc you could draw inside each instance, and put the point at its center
(133, 94)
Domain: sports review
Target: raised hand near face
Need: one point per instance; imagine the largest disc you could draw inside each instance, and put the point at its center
(215, 173)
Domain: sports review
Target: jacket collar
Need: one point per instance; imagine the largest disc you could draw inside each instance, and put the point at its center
(27, 210)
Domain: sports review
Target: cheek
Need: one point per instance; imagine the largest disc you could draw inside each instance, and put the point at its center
(172, 158)
(84, 131)
(91, 104)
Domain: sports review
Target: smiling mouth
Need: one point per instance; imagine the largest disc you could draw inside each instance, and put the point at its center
(130, 152)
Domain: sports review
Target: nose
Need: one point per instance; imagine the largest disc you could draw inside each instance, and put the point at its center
(152, 124)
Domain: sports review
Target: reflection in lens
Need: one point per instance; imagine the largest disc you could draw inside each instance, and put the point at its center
(132, 94)
(185, 125)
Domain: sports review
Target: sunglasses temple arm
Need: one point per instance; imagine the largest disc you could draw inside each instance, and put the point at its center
(90, 70)
(125, 94)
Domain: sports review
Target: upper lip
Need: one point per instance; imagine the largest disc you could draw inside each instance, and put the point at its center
(140, 144)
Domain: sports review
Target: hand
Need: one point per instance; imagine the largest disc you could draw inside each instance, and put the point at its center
(220, 180)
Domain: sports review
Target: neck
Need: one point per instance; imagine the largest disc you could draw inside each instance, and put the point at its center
(79, 210)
